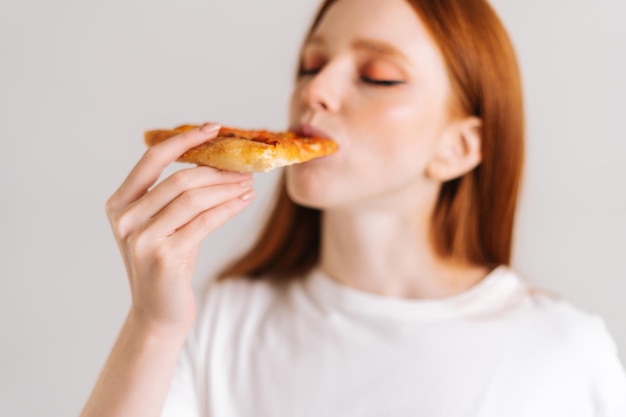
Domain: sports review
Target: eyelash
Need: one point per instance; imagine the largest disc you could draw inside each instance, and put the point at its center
(383, 83)
(380, 83)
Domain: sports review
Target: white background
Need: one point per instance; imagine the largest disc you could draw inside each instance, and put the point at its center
(80, 81)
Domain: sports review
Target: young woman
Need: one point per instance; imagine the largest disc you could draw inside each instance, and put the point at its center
(380, 284)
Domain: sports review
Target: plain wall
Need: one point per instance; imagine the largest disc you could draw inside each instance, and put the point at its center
(80, 81)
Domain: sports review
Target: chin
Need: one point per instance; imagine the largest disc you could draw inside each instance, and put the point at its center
(303, 188)
(308, 186)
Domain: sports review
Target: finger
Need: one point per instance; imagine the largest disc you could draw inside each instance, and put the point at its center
(156, 159)
(189, 237)
(189, 204)
(187, 179)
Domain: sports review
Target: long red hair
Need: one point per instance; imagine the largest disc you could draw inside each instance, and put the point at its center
(474, 217)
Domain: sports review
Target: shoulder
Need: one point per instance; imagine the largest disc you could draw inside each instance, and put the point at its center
(570, 348)
(553, 317)
(585, 339)
(568, 323)
(542, 321)
(553, 323)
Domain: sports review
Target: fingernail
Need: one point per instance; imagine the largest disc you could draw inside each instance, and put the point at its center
(246, 183)
(247, 195)
(209, 127)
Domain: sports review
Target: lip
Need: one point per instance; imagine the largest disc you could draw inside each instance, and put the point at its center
(309, 131)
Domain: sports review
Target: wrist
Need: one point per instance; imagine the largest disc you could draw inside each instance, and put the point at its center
(163, 335)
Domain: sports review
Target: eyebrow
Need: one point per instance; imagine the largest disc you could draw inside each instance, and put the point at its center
(371, 45)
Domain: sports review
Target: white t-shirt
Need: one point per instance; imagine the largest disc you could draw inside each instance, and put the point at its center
(317, 348)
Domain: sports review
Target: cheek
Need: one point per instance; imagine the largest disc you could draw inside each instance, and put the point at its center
(396, 132)
(297, 102)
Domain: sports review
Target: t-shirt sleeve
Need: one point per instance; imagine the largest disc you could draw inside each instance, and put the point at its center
(185, 397)
(189, 392)
(182, 399)
(608, 378)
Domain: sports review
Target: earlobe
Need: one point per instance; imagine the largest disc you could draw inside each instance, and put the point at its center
(459, 151)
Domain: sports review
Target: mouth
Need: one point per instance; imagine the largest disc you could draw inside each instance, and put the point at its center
(307, 130)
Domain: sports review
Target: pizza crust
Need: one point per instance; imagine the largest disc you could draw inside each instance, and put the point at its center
(232, 154)
(234, 150)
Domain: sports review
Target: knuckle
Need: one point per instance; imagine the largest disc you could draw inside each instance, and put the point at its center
(142, 251)
(233, 207)
(208, 220)
(151, 154)
(154, 156)
(109, 206)
(184, 138)
(138, 243)
(189, 134)
(212, 219)
(180, 180)
(192, 198)
(162, 254)
(121, 225)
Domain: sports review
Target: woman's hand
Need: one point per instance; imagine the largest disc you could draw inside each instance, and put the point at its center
(159, 230)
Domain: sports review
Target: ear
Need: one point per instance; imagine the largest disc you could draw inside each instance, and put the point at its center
(458, 150)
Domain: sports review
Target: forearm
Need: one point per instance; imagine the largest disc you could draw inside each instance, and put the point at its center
(137, 375)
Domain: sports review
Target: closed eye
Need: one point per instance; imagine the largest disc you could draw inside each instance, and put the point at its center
(308, 72)
(383, 83)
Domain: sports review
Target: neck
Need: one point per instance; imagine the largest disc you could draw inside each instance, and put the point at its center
(390, 254)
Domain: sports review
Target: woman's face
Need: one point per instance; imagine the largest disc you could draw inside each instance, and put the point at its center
(372, 79)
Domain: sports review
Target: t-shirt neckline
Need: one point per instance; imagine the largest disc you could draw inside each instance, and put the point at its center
(493, 292)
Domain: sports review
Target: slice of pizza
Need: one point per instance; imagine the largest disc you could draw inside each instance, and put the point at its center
(248, 150)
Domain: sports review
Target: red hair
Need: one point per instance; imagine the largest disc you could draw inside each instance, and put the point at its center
(473, 220)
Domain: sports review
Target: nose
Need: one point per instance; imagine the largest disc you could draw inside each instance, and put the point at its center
(323, 90)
